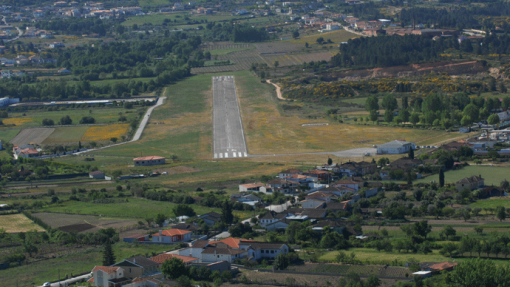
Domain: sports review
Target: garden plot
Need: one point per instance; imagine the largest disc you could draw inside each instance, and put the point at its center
(82, 223)
(29, 136)
(14, 223)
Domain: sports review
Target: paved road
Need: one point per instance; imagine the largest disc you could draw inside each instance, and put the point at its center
(355, 152)
(20, 32)
(139, 131)
(64, 283)
(229, 141)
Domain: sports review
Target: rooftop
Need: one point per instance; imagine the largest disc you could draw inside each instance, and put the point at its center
(152, 157)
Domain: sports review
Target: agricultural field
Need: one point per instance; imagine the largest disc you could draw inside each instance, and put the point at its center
(125, 208)
(15, 223)
(72, 222)
(378, 270)
(493, 175)
(34, 135)
(33, 118)
(105, 133)
(243, 55)
(66, 134)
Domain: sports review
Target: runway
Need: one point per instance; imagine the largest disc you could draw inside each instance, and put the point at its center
(228, 133)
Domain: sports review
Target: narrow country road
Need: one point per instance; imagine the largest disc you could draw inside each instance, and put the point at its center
(278, 91)
(20, 32)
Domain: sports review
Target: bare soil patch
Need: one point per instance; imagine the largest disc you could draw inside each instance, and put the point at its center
(83, 223)
(33, 135)
(76, 227)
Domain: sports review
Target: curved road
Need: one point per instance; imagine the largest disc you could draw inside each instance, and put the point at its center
(20, 32)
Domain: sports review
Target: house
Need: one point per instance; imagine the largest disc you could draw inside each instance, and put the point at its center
(312, 202)
(255, 187)
(322, 195)
(261, 250)
(136, 238)
(491, 191)
(346, 183)
(471, 183)
(64, 71)
(289, 172)
(186, 226)
(321, 175)
(271, 217)
(283, 185)
(138, 266)
(216, 254)
(211, 218)
(172, 236)
(149, 160)
(216, 266)
(97, 174)
(445, 266)
(278, 225)
(161, 258)
(405, 164)
(481, 143)
(336, 206)
(504, 116)
(395, 147)
(312, 213)
(26, 151)
(334, 225)
(338, 190)
(195, 250)
(108, 276)
(357, 168)
(250, 199)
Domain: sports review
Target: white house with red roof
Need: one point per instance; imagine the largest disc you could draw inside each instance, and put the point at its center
(171, 236)
(108, 276)
(149, 160)
(161, 258)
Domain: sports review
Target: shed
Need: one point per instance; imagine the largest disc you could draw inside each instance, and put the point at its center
(97, 174)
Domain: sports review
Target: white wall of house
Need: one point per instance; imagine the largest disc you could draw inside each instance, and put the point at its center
(191, 252)
(276, 226)
(170, 239)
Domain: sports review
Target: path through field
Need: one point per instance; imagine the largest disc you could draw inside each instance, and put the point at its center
(278, 91)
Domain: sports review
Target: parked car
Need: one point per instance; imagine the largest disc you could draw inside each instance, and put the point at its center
(47, 284)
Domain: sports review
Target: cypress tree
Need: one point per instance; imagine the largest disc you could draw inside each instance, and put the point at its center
(226, 213)
(411, 153)
(441, 177)
(108, 256)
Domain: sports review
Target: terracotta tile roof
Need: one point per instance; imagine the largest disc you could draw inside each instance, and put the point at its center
(200, 244)
(345, 182)
(443, 266)
(231, 242)
(253, 185)
(172, 232)
(96, 172)
(107, 269)
(152, 157)
(166, 256)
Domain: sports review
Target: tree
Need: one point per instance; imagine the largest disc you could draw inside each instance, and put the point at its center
(478, 230)
(281, 262)
(505, 185)
(113, 140)
(183, 209)
(330, 161)
(295, 34)
(389, 102)
(493, 119)
(320, 40)
(373, 115)
(108, 255)
(276, 64)
(472, 111)
(174, 268)
(372, 103)
(441, 177)
(160, 219)
(226, 213)
(373, 281)
(501, 213)
(183, 281)
(411, 153)
(48, 122)
(478, 272)
(415, 118)
(448, 231)
(65, 120)
(388, 116)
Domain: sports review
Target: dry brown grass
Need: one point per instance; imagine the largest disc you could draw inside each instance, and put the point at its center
(268, 132)
(14, 223)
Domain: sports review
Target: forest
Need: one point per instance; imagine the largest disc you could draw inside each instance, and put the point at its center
(402, 50)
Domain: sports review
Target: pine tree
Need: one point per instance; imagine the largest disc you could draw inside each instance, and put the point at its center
(441, 177)
(108, 256)
(226, 213)
(411, 153)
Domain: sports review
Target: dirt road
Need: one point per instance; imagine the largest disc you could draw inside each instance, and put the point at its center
(278, 91)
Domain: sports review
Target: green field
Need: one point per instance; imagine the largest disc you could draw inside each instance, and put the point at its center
(66, 134)
(493, 175)
(131, 208)
(80, 261)
(492, 202)
(153, 3)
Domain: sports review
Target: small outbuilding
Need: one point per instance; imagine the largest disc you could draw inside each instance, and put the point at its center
(149, 160)
(97, 174)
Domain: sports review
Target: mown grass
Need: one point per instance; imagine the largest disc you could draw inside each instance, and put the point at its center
(79, 262)
(492, 175)
(126, 208)
(14, 223)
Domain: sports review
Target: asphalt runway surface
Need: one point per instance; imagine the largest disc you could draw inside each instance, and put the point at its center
(228, 134)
